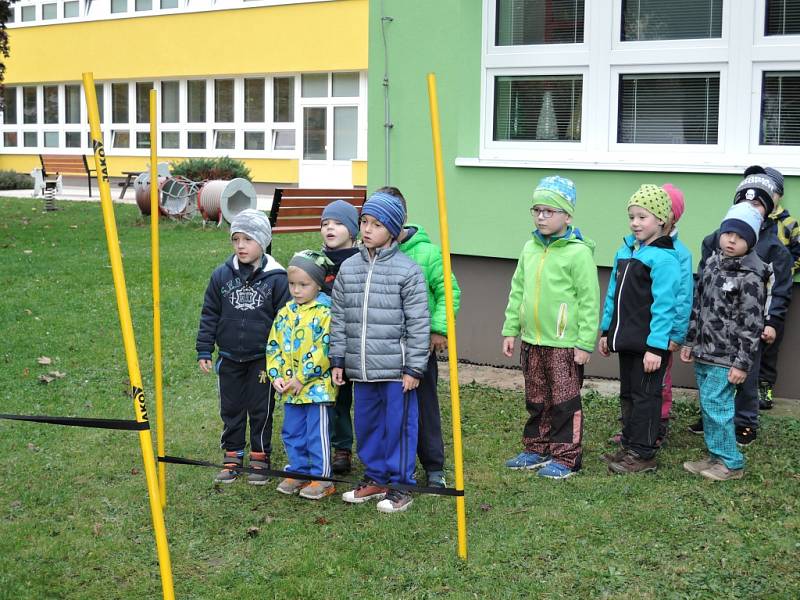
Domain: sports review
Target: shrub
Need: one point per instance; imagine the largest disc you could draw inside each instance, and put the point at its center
(199, 169)
(11, 180)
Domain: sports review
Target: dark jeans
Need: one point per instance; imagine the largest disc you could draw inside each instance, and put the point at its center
(769, 358)
(430, 446)
(341, 421)
(747, 396)
(245, 392)
(640, 396)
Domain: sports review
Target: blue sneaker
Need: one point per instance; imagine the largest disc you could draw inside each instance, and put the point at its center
(556, 470)
(528, 460)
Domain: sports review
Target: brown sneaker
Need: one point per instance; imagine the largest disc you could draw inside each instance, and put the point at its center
(632, 463)
(291, 486)
(317, 490)
(366, 490)
(613, 456)
(719, 472)
(229, 474)
(698, 466)
(342, 461)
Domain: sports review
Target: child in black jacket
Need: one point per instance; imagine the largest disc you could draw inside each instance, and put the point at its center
(241, 301)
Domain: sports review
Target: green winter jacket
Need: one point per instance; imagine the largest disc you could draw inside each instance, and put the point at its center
(555, 296)
(428, 256)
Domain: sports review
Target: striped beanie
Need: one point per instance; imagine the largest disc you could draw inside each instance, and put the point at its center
(387, 209)
(556, 191)
(654, 200)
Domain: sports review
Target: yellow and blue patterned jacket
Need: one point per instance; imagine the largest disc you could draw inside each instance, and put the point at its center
(298, 347)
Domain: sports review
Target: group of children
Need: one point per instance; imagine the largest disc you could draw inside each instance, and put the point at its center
(353, 324)
(726, 319)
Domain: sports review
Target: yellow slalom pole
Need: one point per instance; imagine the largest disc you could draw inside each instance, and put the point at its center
(452, 351)
(155, 262)
(134, 374)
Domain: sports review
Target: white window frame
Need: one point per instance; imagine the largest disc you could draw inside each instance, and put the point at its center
(755, 135)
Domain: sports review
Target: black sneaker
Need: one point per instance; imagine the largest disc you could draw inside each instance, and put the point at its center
(765, 396)
(697, 428)
(745, 435)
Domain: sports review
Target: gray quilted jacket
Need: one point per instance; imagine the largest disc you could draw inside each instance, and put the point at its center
(380, 325)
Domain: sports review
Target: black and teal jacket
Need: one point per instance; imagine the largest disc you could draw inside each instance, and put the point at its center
(643, 295)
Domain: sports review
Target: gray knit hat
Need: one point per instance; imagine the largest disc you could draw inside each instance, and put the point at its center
(316, 264)
(343, 212)
(254, 224)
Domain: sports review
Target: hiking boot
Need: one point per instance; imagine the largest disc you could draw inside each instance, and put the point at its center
(260, 461)
(697, 427)
(291, 486)
(231, 461)
(696, 467)
(631, 462)
(395, 501)
(556, 471)
(366, 491)
(527, 460)
(616, 438)
(613, 456)
(342, 461)
(719, 472)
(317, 490)
(765, 401)
(745, 435)
(436, 479)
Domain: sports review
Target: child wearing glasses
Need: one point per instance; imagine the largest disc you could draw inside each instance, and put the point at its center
(553, 307)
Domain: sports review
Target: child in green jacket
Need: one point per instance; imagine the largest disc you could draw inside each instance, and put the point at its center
(553, 306)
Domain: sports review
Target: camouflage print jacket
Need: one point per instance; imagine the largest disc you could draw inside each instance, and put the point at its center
(731, 297)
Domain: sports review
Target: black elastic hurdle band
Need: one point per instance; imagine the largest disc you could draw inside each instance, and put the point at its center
(123, 424)
(437, 491)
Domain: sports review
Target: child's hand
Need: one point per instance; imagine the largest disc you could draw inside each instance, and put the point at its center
(279, 384)
(736, 376)
(581, 357)
(294, 386)
(602, 346)
(651, 362)
(508, 346)
(205, 365)
(409, 383)
(768, 335)
(337, 376)
(438, 343)
(686, 354)
(673, 346)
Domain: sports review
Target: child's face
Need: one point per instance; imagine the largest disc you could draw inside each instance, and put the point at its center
(373, 233)
(645, 226)
(246, 248)
(732, 244)
(302, 288)
(335, 235)
(550, 221)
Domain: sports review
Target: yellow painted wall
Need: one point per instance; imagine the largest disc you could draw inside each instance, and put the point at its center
(360, 172)
(327, 36)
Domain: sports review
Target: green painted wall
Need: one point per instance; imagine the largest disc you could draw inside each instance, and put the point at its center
(488, 207)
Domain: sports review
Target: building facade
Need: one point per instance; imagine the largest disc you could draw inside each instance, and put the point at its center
(280, 84)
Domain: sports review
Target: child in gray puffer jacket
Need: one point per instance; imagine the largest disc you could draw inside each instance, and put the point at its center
(380, 329)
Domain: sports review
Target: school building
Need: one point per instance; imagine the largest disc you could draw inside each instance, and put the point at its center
(279, 84)
(611, 93)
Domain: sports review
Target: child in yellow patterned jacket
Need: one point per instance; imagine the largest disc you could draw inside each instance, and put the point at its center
(298, 365)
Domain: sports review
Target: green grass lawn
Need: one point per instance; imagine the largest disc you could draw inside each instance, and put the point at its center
(75, 522)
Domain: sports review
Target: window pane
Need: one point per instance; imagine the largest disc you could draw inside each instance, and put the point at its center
(51, 139)
(253, 140)
(119, 6)
(72, 9)
(538, 108)
(254, 100)
(780, 109)
(73, 139)
(49, 12)
(782, 17)
(143, 101)
(29, 111)
(170, 103)
(523, 22)
(10, 139)
(28, 14)
(674, 20)
(98, 90)
(196, 101)
(314, 85)
(10, 16)
(121, 139)
(314, 133)
(223, 100)
(224, 139)
(142, 139)
(283, 139)
(284, 99)
(669, 108)
(10, 104)
(345, 84)
(29, 139)
(169, 3)
(50, 103)
(144, 5)
(170, 139)
(72, 104)
(119, 102)
(345, 132)
(197, 140)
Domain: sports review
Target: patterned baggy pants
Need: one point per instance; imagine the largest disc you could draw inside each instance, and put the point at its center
(717, 404)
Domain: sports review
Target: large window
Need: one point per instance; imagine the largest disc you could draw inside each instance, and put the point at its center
(72, 104)
(170, 101)
(674, 20)
(10, 106)
(223, 100)
(540, 108)
(119, 102)
(780, 109)
(526, 22)
(30, 110)
(283, 92)
(196, 101)
(254, 100)
(782, 17)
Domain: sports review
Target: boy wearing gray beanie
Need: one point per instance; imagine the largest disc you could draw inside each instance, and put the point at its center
(241, 301)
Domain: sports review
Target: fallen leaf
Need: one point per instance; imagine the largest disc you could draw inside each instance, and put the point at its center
(96, 529)
(46, 378)
(486, 507)
(33, 447)
(57, 374)
(253, 531)
(15, 505)
(44, 360)
(321, 521)
(28, 311)
(134, 471)
(26, 371)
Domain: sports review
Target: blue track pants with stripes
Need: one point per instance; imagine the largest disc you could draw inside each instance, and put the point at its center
(307, 438)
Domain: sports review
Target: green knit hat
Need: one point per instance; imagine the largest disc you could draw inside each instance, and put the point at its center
(654, 200)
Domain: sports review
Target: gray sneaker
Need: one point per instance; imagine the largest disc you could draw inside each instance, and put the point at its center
(698, 466)
(395, 501)
(232, 460)
(258, 460)
(719, 472)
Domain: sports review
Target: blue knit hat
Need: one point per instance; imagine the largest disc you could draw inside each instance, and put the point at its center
(387, 209)
(343, 212)
(744, 220)
(556, 191)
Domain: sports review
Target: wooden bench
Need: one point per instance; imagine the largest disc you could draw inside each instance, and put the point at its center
(67, 164)
(295, 210)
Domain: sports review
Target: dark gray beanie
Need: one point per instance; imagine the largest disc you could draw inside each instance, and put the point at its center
(316, 264)
(756, 186)
(345, 213)
(777, 177)
(254, 224)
